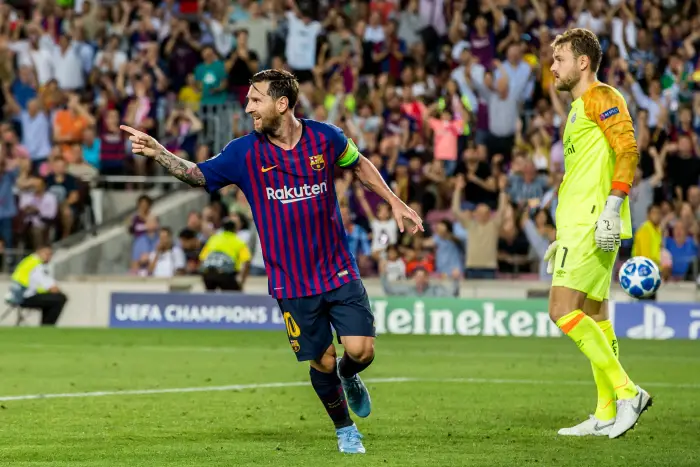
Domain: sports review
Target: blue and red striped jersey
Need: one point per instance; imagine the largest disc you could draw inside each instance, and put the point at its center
(294, 205)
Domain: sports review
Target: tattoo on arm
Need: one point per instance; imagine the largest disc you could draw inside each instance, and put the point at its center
(367, 183)
(181, 169)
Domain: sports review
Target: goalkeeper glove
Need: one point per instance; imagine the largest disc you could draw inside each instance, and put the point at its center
(607, 229)
(549, 256)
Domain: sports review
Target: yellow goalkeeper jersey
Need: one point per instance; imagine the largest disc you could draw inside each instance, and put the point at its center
(600, 154)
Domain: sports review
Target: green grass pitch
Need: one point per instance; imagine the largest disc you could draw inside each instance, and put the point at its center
(462, 401)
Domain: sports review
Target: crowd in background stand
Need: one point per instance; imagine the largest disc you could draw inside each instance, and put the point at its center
(452, 101)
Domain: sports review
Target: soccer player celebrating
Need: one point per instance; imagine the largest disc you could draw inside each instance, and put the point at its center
(600, 157)
(285, 168)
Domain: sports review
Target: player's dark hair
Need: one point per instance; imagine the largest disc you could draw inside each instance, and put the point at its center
(282, 84)
(583, 42)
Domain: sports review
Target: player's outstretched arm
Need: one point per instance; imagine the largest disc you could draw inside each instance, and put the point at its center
(147, 146)
(370, 177)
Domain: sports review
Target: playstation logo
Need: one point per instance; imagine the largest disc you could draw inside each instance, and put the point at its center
(653, 325)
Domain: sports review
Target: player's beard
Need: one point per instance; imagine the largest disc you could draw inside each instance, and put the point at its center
(270, 125)
(568, 83)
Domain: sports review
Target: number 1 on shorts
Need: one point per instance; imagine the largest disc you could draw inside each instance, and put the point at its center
(563, 258)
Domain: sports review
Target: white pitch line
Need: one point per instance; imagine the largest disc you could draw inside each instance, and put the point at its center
(285, 350)
(290, 384)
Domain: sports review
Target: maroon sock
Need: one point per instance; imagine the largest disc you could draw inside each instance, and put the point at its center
(349, 367)
(330, 391)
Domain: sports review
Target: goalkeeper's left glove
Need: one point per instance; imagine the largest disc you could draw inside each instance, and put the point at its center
(549, 256)
(607, 229)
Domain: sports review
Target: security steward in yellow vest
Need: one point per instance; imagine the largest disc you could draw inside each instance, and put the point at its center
(32, 286)
(225, 259)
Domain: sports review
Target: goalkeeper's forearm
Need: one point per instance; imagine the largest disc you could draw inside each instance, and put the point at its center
(180, 168)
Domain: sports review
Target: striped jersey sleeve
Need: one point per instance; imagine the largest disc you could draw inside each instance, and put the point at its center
(227, 167)
(605, 106)
(346, 154)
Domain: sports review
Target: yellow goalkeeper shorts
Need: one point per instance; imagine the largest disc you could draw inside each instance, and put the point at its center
(580, 265)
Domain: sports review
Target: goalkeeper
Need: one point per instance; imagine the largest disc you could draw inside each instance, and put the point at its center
(600, 158)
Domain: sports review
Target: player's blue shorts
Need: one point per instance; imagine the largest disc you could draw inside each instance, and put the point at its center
(309, 319)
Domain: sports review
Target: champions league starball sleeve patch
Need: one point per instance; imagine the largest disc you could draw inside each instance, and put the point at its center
(609, 113)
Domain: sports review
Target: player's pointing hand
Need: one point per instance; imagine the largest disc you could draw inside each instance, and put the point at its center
(401, 212)
(141, 143)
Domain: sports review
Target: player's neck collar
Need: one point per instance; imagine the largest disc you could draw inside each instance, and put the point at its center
(301, 137)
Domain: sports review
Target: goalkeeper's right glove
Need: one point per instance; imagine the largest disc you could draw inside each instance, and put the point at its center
(549, 256)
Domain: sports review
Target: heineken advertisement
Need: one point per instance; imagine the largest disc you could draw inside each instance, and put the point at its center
(399, 315)
(449, 316)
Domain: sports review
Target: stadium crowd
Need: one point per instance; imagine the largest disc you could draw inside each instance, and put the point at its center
(452, 100)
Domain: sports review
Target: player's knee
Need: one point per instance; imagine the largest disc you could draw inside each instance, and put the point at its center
(326, 363)
(361, 352)
(563, 301)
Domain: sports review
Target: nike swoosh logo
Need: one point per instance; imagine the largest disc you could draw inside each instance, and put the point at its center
(267, 169)
(599, 427)
(638, 408)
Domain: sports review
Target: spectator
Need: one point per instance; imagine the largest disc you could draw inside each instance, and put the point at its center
(143, 212)
(513, 249)
(384, 229)
(65, 187)
(525, 186)
(241, 67)
(144, 245)
(642, 193)
(358, 240)
(36, 129)
(648, 240)
(448, 253)
(540, 232)
(8, 203)
(684, 252)
(167, 260)
(421, 286)
(211, 78)
(69, 125)
(258, 28)
(683, 166)
(111, 144)
(83, 172)
(191, 247)
(503, 101)
(39, 209)
(482, 230)
(446, 130)
(395, 268)
(302, 34)
(480, 183)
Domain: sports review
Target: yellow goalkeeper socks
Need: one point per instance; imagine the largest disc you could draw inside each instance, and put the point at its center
(606, 408)
(591, 340)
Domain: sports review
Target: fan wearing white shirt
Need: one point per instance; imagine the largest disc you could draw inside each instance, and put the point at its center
(68, 65)
(168, 260)
(385, 231)
(300, 51)
(111, 59)
(36, 52)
